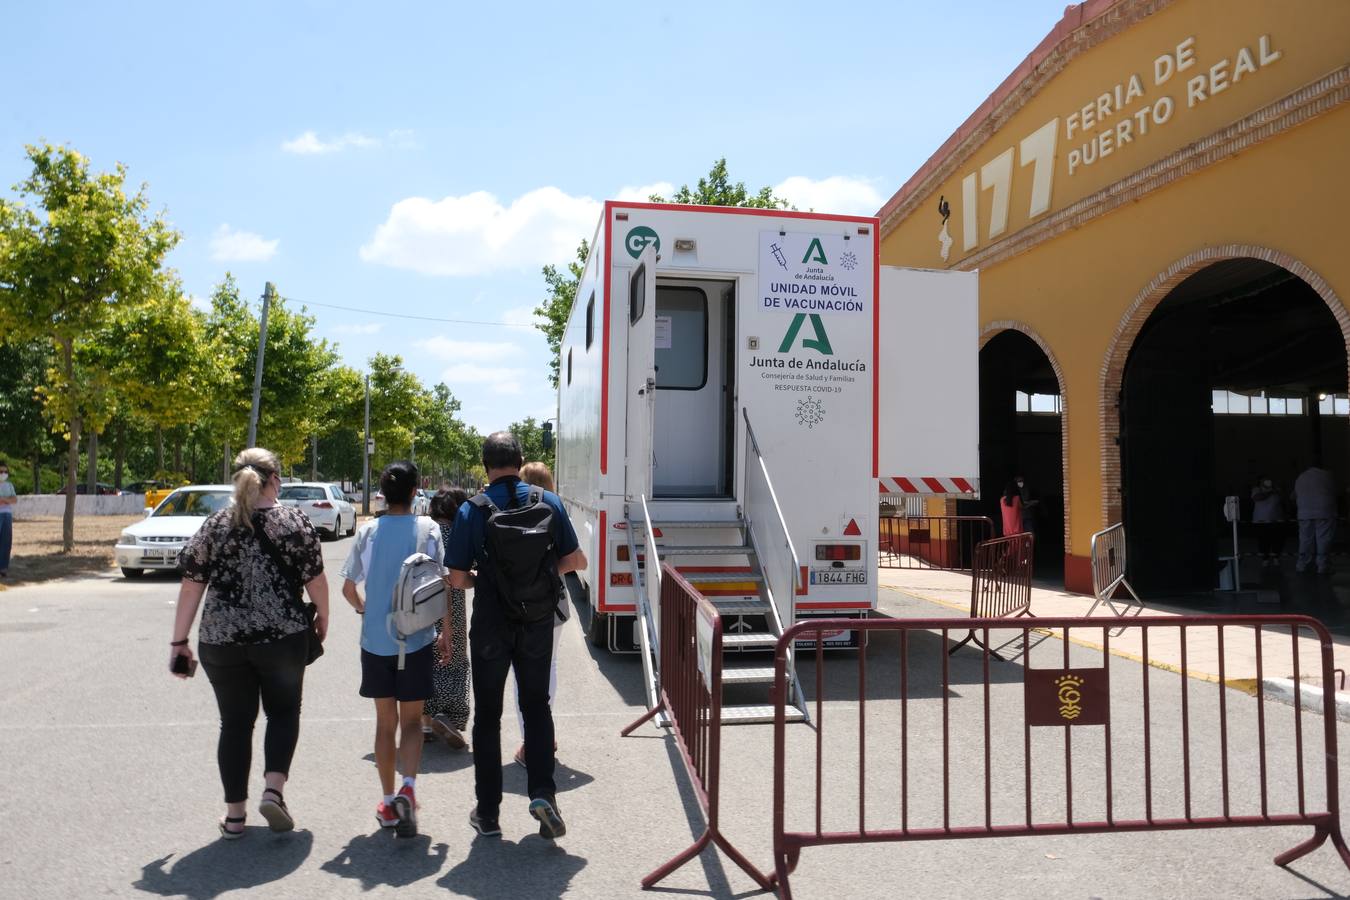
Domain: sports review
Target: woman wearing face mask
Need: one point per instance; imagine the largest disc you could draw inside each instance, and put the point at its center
(1268, 517)
(8, 497)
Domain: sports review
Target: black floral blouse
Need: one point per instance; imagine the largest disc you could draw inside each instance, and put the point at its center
(248, 600)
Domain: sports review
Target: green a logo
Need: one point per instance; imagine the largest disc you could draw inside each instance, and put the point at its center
(820, 343)
(815, 253)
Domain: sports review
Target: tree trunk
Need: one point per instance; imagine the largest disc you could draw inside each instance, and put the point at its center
(119, 455)
(177, 451)
(72, 454)
(91, 472)
(314, 457)
(37, 471)
(159, 449)
(225, 465)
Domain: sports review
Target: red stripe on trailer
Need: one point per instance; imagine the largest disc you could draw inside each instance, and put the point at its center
(876, 349)
(604, 551)
(804, 583)
(742, 211)
(906, 486)
(935, 485)
(835, 604)
(963, 486)
(604, 352)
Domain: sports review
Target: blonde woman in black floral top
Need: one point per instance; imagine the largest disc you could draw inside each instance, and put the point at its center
(249, 560)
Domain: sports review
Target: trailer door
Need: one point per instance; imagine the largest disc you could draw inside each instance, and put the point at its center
(641, 403)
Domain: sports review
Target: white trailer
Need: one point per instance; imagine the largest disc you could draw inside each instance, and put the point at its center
(727, 403)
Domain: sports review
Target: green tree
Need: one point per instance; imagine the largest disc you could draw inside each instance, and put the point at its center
(74, 249)
(23, 428)
(531, 436)
(551, 314)
(716, 189)
(396, 405)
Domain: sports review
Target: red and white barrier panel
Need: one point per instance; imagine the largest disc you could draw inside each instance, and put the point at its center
(928, 485)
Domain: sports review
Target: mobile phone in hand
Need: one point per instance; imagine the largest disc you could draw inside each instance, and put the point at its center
(183, 665)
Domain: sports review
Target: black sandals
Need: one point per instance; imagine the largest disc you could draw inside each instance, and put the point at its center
(226, 833)
(275, 812)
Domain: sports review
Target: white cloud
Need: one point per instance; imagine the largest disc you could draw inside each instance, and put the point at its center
(836, 194)
(500, 380)
(644, 192)
(520, 315)
(199, 303)
(476, 234)
(232, 245)
(453, 351)
(309, 143)
(366, 328)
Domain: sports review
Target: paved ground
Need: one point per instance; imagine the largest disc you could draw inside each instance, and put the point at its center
(111, 788)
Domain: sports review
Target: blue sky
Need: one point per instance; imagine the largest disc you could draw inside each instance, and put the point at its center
(428, 158)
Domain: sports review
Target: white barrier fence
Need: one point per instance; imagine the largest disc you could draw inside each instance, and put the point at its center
(37, 506)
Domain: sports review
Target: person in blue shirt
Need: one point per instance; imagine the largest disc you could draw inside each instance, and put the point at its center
(498, 645)
(376, 559)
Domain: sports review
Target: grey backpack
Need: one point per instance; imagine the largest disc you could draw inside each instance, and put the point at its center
(420, 595)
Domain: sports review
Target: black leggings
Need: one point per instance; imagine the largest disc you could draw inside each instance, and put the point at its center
(241, 674)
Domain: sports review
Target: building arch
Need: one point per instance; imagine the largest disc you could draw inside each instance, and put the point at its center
(1138, 313)
(997, 327)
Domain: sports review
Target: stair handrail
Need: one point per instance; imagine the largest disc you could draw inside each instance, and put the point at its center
(646, 629)
(651, 579)
(783, 593)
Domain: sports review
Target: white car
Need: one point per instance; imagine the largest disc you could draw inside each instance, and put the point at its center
(156, 542)
(325, 505)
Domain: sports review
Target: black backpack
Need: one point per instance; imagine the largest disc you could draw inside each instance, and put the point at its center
(522, 557)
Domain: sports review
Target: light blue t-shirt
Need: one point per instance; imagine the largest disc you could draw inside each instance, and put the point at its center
(7, 490)
(376, 558)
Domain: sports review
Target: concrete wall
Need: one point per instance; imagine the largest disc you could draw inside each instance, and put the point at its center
(34, 506)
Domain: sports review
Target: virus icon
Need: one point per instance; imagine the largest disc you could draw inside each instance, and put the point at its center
(849, 261)
(810, 412)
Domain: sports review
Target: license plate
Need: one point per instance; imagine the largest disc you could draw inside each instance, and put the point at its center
(154, 553)
(838, 576)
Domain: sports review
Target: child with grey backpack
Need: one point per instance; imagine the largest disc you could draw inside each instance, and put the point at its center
(396, 661)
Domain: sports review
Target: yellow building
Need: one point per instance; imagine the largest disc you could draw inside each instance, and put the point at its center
(1156, 202)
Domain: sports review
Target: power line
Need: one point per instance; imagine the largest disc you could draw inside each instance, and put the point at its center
(380, 312)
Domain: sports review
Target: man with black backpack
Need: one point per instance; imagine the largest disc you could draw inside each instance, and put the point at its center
(512, 544)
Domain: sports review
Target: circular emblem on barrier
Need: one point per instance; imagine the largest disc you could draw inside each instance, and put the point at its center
(639, 238)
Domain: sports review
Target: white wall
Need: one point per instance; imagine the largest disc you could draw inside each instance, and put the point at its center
(32, 506)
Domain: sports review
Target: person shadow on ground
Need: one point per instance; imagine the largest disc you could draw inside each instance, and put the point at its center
(497, 869)
(259, 858)
(370, 859)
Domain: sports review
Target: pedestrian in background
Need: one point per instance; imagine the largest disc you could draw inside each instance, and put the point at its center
(1010, 508)
(399, 685)
(1268, 520)
(447, 712)
(1315, 494)
(8, 498)
(254, 637)
(1030, 504)
(538, 474)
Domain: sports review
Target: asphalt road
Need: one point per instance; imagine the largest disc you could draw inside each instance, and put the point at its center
(111, 789)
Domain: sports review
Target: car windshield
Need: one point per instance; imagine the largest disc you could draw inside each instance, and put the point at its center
(193, 503)
(301, 492)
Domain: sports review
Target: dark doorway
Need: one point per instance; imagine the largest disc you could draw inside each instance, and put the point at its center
(1021, 434)
(1238, 375)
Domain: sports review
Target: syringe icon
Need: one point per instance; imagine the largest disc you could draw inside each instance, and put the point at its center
(778, 255)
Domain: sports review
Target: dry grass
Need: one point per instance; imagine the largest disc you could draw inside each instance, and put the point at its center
(37, 552)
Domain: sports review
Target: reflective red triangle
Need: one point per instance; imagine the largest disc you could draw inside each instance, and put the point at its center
(853, 530)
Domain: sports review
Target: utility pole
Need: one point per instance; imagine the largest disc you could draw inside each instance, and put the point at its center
(268, 291)
(365, 478)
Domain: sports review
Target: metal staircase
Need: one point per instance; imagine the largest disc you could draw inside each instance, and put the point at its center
(753, 623)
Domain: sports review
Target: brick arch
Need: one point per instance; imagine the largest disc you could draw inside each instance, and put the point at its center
(1143, 305)
(995, 328)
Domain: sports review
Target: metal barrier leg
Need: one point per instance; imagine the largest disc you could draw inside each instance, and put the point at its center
(1319, 837)
(971, 636)
(646, 717)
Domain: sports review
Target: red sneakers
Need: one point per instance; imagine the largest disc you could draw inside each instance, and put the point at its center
(385, 815)
(405, 806)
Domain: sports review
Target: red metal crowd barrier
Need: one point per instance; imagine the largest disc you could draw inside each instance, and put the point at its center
(1067, 697)
(1000, 586)
(691, 695)
(931, 542)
